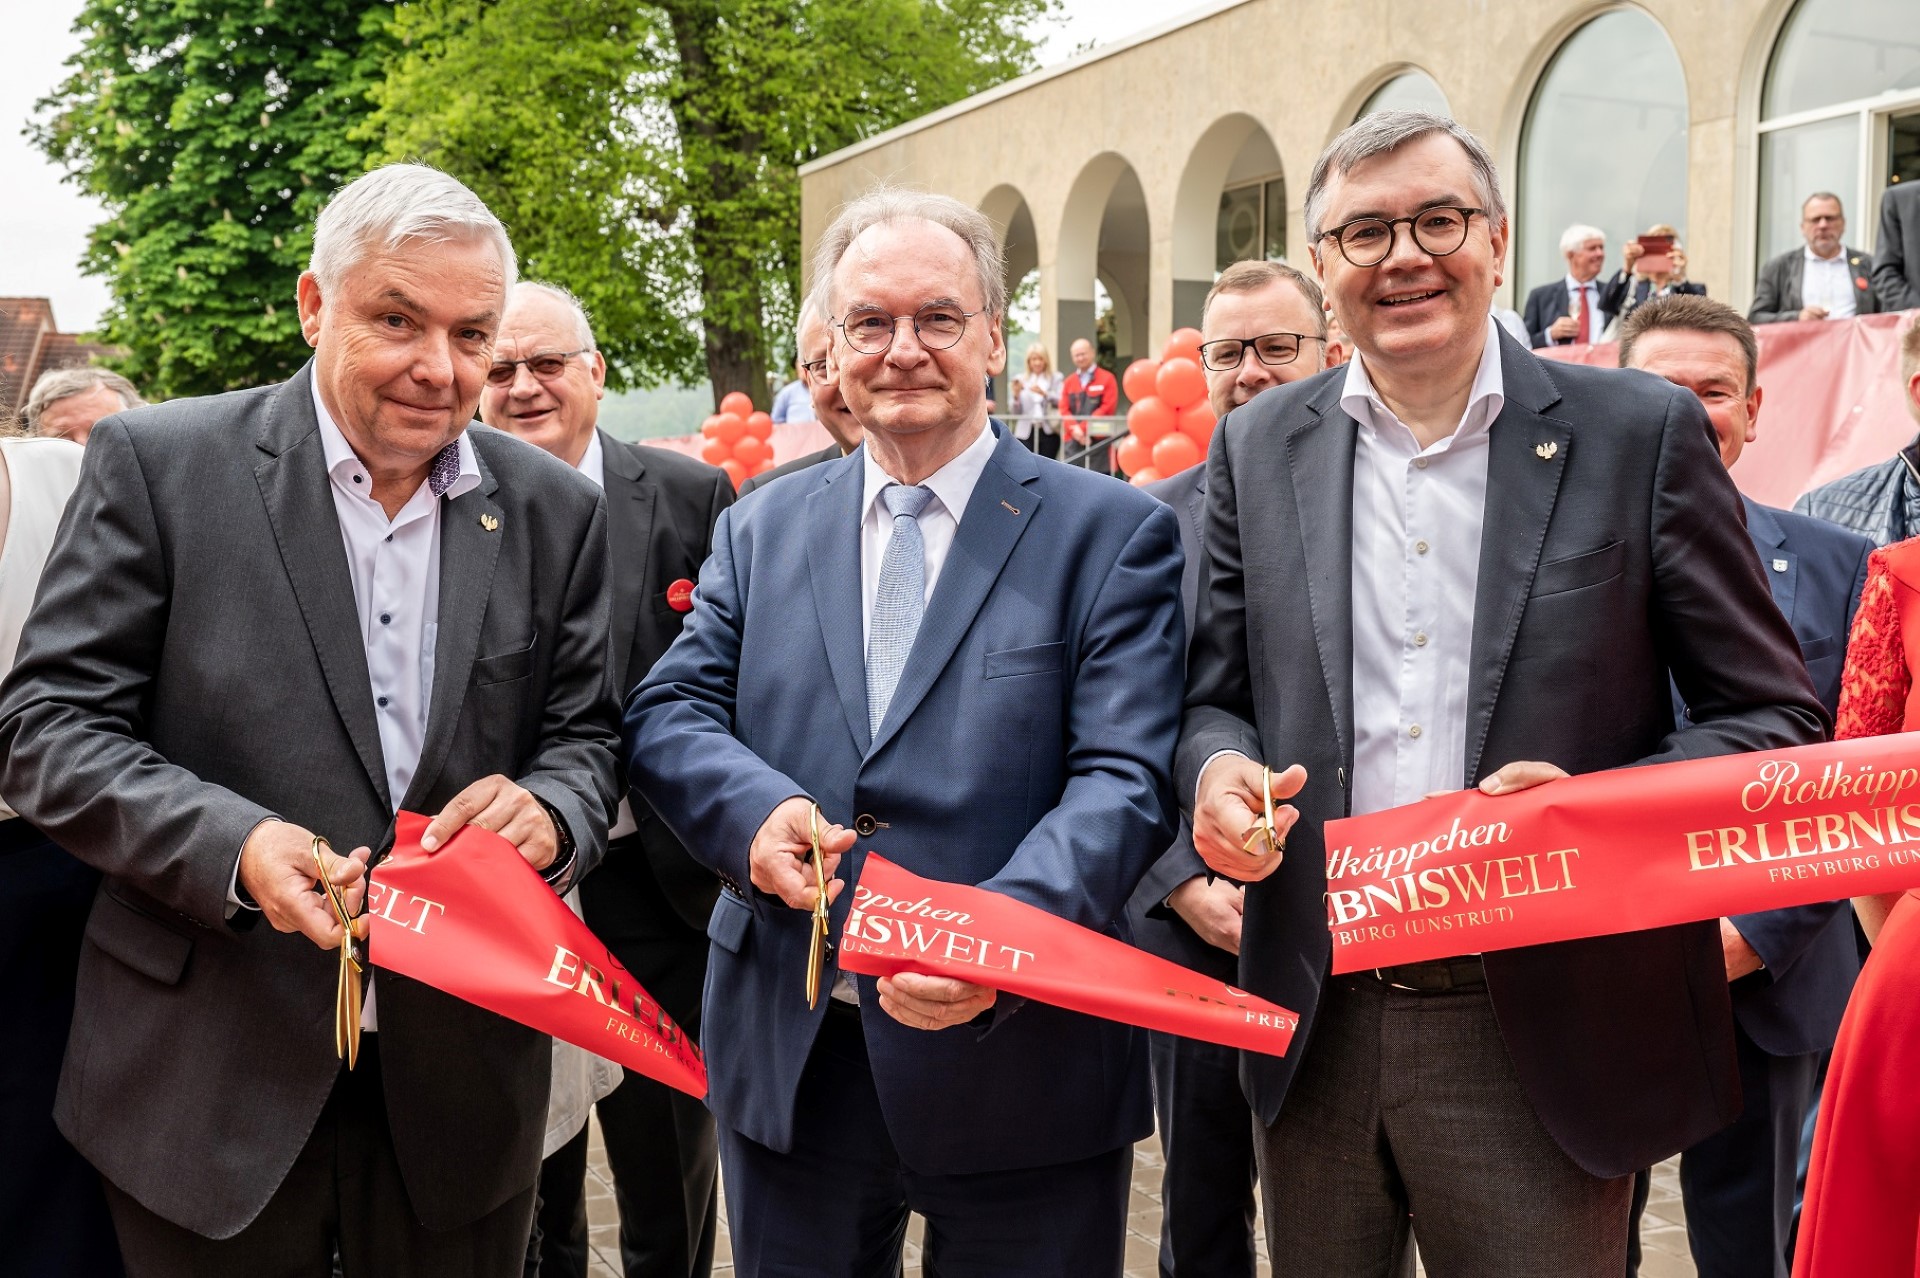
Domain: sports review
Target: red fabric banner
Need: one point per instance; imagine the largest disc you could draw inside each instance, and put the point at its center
(901, 922)
(1624, 851)
(475, 921)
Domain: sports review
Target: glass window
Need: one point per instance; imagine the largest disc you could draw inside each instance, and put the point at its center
(1252, 223)
(1796, 162)
(1274, 212)
(1408, 91)
(1833, 51)
(1605, 143)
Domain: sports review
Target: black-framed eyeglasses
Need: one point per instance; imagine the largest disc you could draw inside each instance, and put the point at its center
(547, 365)
(936, 326)
(814, 369)
(1271, 349)
(1437, 231)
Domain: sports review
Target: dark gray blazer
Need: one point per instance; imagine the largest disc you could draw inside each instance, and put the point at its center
(1614, 559)
(1896, 261)
(1777, 297)
(194, 666)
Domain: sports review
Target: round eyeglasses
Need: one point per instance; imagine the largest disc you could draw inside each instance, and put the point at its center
(546, 366)
(1437, 231)
(936, 326)
(1271, 349)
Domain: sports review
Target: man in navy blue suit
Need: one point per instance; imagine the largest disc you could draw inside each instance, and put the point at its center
(1790, 971)
(970, 658)
(1261, 325)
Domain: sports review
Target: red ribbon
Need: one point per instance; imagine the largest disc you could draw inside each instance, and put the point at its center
(903, 923)
(477, 922)
(1624, 851)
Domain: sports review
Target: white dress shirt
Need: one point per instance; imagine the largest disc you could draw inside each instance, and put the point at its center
(592, 464)
(41, 474)
(1828, 282)
(1595, 321)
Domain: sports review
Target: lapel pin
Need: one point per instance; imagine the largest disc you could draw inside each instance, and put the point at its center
(680, 595)
(1779, 565)
(1546, 451)
(489, 523)
(1014, 509)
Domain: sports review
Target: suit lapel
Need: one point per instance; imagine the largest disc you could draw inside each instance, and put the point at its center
(299, 499)
(468, 553)
(1320, 463)
(999, 511)
(1796, 284)
(1197, 509)
(1522, 486)
(833, 564)
(630, 507)
(1781, 565)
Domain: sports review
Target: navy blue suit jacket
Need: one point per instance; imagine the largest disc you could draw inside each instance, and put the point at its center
(1817, 571)
(1027, 749)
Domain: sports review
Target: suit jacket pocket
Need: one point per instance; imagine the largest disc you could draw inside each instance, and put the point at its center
(1041, 658)
(504, 667)
(728, 926)
(1825, 646)
(138, 938)
(1580, 571)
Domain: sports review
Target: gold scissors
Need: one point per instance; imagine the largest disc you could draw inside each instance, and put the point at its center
(821, 947)
(347, 996)
(1266, 831)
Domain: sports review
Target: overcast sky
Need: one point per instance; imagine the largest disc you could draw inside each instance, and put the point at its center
(44, 221)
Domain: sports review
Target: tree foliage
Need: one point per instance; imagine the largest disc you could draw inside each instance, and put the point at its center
(645, 154)
(212, 130)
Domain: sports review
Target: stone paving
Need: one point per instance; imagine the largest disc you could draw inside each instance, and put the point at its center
(1663, 1236)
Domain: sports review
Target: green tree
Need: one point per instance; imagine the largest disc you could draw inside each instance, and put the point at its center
(645, 153)
(212, 130)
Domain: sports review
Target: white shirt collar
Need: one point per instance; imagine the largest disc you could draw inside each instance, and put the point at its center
(343, 462)
(1574, 286)
(592, 463)
(1363, 403)
(1839, 258)
(952, 484)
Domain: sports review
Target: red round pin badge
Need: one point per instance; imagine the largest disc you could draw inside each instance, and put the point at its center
(680, 596)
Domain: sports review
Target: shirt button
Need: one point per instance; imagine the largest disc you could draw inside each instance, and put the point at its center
(1419, 463)
(1420, 639)
(382, 703)
(389, 536)
(1420, 547)
(386, 619)
(1414, 731)
(359, 479)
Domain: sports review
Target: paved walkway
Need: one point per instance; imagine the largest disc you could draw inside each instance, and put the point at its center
(1663, 1236)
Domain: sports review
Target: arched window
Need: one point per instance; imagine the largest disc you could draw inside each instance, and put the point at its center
(1605, 142)
(1840, 112)
(1408, 91)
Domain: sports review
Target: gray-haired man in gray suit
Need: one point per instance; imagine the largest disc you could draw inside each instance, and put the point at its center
(286, 613)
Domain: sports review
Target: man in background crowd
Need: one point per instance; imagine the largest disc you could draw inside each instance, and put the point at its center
(649, 901)
(1896, 263)
(1824, 279)
(1789, 971)
(1567, 311)
(1089, 391)
(792, 404)
(1880, 502)
(66, 402)
(823, 389)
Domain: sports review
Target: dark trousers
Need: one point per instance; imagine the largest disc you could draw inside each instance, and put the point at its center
(559, 1246)
(1406, 1112)
(836, 1206)
(1206, 1137)
(53, 1218)
(342, 1198)
(1738, 1184)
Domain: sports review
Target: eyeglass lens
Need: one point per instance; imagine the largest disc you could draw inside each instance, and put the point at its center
(870, 330)
(1437, 232)
(544, 367)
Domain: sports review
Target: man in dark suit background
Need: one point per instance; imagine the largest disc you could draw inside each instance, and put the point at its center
(649, 901)
(1452, 563)
(1825, 279)
(1262, 325)
(1555, 310)
(283, 614)
(823, 386)
(1789, 971)
(1896, 253)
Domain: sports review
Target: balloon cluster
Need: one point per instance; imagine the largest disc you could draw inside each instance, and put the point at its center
(738, 439)
(1170, 425)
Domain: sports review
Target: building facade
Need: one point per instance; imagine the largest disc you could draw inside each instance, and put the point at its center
(1135, 172)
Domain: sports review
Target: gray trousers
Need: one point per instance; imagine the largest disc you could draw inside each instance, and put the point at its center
(1406, 1113)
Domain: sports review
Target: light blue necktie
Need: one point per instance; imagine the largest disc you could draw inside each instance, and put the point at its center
(900, 602)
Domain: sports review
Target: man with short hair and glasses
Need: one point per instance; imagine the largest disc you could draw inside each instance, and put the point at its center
(1824, 279)
(1449, 564)
(969, 658)
(823, 387)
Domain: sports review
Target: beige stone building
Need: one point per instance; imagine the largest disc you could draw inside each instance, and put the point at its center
(1136, 171)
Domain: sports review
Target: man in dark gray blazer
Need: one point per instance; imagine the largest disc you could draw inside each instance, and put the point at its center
(823, 387)
(276, 616)
(1452, 563)
(1823, 280)
(1896, 263)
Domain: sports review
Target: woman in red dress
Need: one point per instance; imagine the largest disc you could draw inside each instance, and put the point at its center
(1862, 1213)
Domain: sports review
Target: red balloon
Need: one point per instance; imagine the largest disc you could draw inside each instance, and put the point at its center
(733, 428)
(1196, 422)
(735, 471)
(1174, 454)
(1149, 419)
(1183, 344)
(1134, 454)
(715, 451)
(711, 427)
(1148, 476)
(1137, 381)
(760, 425)
(739, 403)
(751, 451)
(1181, 383)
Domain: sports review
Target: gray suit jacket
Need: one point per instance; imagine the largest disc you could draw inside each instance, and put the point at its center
(1896, 266)
(193, 667)
(1777, 296)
